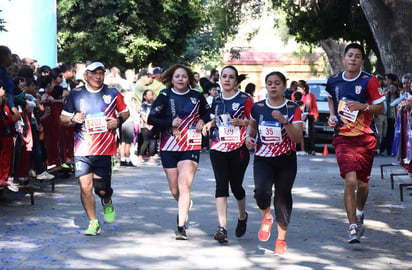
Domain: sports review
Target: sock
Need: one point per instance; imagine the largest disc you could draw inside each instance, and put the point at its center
(127, 159)
(106, 204)
(358, 212)
(122, 159)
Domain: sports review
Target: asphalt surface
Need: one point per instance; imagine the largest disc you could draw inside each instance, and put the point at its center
(48, 235)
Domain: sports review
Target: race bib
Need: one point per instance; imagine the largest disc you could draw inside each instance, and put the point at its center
(270, 132)
(344, 111)
(229, 134)
(193, 137)
(96, 123)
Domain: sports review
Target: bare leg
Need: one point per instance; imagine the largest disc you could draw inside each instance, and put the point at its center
(86, 195)
(282, 232)
(362, 194)
(186, 172)
(221, 208)
(349, 196)
(171, 175)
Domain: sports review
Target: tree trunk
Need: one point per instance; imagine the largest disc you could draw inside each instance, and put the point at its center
(334, 51)
(390, 24)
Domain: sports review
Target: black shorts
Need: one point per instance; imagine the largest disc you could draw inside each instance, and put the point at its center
(99, 165)
(171, 158)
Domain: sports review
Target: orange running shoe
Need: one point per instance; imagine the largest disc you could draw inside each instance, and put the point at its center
(264, 232)
(280, 248)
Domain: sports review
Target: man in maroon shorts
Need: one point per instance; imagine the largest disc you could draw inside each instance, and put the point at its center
(354, 97)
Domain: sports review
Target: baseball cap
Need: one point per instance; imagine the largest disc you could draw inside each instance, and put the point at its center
(95, 65)
(157, 70)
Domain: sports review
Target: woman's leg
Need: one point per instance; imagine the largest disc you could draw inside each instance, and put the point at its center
(186, 170)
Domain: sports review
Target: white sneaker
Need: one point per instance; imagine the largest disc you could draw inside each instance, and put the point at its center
(12, 187)
(45, 176)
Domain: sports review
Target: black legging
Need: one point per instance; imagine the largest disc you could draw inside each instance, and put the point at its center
(230, 167)
(311, 129)
(148, 142)
(281, 172)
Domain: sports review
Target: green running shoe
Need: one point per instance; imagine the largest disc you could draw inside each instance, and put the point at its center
(93, 229)
(109, 213)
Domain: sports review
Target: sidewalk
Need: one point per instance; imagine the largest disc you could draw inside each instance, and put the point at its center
(48, 235)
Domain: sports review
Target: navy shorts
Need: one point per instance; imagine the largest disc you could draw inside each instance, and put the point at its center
(99, 165)
(171, 158)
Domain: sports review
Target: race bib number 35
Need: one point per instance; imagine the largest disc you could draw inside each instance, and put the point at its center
(96, 123)
(270, 133)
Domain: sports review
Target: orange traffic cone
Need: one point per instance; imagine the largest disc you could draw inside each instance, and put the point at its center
(325, 151)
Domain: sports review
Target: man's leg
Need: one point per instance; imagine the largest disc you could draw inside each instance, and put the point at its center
(362, 194)
(349, 196)
(86, 195)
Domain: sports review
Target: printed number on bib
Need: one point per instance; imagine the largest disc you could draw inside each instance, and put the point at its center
(344, 111)
(270, 132)
(96, 123)
(193, 137)
(229, 134)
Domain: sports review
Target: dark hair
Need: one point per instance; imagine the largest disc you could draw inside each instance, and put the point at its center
(277, 73)
(355, 46)
(4, 51)
(65, 67)
(44, 81)
(250, 88)
(392, 77)
(235, 70)
(168, 75)
(302, 83)
(55, 72)
(213, 72)
(145, 93)
(44, 69)
(297, 96)
(57, 92)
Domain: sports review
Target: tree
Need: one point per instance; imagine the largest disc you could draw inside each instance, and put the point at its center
(126, 33)
(390, 24)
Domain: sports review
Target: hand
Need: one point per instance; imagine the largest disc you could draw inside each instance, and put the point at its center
(279, 116)
(250, 142)
(176, 122)
(112, 123)
(199, 125)
(354, 105)
(206, 128)
(78, 118)
(332, 121)
(236, 122)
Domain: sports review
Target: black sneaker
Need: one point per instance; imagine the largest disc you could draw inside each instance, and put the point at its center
(181, 233)
(221, 235)
(241, 226)
(359, 222)
(123, 163)
(353, 234)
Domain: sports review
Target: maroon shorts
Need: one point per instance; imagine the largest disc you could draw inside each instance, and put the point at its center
(355, 154)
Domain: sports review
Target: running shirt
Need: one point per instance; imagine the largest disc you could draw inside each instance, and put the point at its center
(272, 139)
(92, 138)
(226, 137)
(189, 106)
(365, 88)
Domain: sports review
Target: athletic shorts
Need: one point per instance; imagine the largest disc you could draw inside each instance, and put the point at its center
(171, 158)
(127, 132)
(355, 154)
(99, 165)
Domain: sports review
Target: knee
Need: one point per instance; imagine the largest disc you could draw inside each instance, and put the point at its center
(102, 188)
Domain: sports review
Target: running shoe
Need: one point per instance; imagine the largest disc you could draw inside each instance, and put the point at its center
(353, 234)
(241, 226)
(45, 176)
(181, 233)
(280, 248)
(93, 229)
(359, 222)
(109, 213)
(264, 232)
(221, 235)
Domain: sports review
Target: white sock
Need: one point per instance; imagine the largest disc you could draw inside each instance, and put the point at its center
(127, 159)
(358, 212)
(122, 159)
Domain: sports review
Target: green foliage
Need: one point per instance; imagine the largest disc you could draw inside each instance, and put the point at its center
(2, 22)
(125, 33)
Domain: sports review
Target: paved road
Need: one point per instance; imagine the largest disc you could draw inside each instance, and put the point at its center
(48, 234)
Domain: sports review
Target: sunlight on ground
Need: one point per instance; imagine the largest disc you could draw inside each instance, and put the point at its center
(308, 193)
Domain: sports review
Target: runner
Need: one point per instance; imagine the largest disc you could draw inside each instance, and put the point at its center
(92, 109)
(277, 122)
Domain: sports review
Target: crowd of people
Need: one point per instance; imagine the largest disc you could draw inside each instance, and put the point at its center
(80, 116)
